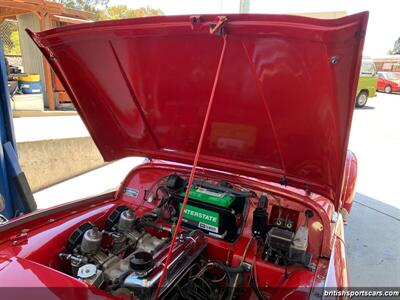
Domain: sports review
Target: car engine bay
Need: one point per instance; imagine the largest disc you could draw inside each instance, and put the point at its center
(126, 257)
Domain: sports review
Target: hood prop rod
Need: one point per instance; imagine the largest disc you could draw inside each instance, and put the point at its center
(193, 171)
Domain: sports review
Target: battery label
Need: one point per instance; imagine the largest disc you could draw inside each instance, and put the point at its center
(201, 218)
(211, 193)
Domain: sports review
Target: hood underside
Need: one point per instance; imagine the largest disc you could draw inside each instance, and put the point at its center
(283, 103)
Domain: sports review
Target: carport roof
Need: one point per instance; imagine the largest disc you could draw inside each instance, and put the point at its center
(46, 11)
(11, 8)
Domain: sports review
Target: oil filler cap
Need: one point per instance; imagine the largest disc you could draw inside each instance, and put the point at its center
(87, 271)
(141, 261)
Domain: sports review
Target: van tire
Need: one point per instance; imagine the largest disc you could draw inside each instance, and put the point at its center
(388, 89)
(361, 99)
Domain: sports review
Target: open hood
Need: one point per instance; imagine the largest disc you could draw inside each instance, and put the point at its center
(283, 102)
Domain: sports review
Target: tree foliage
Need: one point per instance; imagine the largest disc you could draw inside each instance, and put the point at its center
(123, 12)
(10, 37)
(105, 12)
(86, 5)
(16, 50)
(396, 47)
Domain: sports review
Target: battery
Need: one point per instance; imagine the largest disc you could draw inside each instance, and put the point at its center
(201, 218)
(216, 210)
(204, 195)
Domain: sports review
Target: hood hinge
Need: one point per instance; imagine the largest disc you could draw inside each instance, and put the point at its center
(360, 34)
(218, 28)
(18, 239)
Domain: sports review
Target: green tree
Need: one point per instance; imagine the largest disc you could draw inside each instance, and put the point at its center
(86, 5)
(9, 35)
(123, 12)
(16, 50)
(396, 47)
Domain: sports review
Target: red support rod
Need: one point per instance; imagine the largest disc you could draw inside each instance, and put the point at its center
(193, 171)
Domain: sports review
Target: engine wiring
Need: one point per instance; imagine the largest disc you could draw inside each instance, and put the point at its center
(200, 284)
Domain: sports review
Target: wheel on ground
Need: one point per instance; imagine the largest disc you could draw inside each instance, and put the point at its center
(362, 99)
(388, 89)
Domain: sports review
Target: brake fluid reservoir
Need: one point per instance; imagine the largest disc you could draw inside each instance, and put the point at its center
(300, 240)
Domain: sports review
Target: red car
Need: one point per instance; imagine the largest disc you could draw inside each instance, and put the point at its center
(388, 82)
(245, 120)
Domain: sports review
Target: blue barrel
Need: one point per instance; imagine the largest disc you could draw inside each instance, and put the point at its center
(30, 84)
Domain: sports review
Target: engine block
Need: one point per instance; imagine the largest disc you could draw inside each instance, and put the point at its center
(125, 258)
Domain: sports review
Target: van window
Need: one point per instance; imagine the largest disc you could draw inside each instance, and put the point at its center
(368, 69)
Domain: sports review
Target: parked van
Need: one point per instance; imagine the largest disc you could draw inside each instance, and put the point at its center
(367, 83)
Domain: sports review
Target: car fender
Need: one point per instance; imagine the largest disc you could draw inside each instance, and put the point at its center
(337, 274)
(350, 178)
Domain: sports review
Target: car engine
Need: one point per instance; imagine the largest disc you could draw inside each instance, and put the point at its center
(126, 258)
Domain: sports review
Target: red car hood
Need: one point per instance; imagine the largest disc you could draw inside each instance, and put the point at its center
(283, 102)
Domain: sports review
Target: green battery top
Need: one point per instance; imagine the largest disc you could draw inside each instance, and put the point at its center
(211, 197)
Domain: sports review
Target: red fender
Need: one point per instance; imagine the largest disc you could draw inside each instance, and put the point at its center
(350, 178)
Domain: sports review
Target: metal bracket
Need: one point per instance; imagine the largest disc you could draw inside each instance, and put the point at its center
(19, 239)
(360, 34)
(3, 219)
(246, 266)
(307, 189)
(218, 28)
(195, 22)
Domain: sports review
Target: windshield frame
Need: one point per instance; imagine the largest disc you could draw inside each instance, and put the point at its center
(392, 76)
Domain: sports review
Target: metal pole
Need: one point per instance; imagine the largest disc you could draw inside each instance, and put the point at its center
(244, 7)
(193, 171)
(46, 66)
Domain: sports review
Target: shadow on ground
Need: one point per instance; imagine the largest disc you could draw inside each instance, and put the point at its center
(366, 107)
(373, 243)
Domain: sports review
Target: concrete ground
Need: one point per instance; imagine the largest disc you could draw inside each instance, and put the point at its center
(372, 233)
(48, 128)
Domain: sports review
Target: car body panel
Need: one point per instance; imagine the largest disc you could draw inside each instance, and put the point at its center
(338, 271)
(384, 81)
(369, 84)
(284, 99)
(265, 137)
(368, 79)
(350, 177)
(29, 245)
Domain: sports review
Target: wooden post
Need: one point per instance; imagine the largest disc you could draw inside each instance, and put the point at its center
(46, 67)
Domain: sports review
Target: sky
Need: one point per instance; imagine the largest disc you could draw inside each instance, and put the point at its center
(383, 26)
